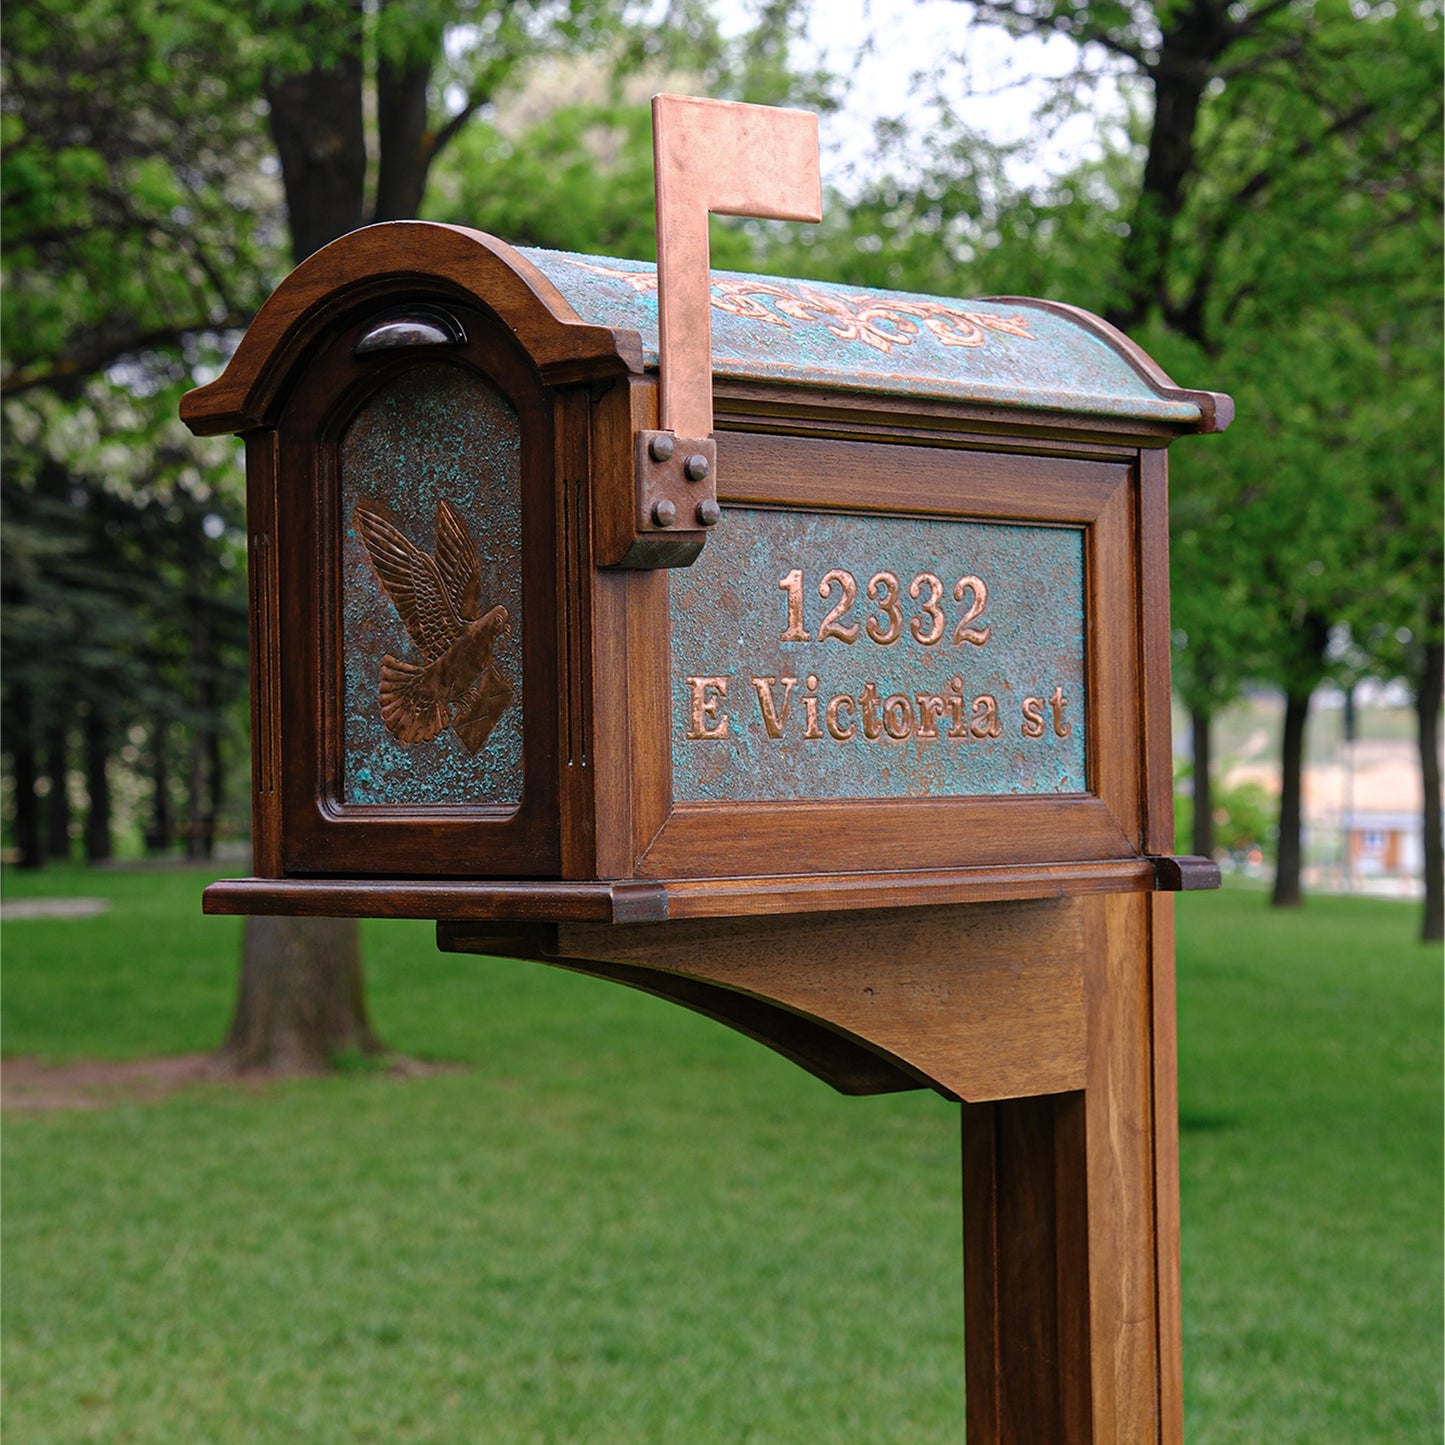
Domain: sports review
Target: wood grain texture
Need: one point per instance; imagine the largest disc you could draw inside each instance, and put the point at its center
(800, 408)
(267, 743)
(1120, 1181)
(573, 574)
(322, 833)
(649, 697)
(438, 898)
(501, 900)
(1071, 1222)
(712, 840)
(1154, 652)
(1164, 1042)
(985, 1001)
(609, 696)
(824, 473)
(1116, 760)
(813, 893)
(613, 789)
(618, 414)
(715, 840)
(1026, 1320)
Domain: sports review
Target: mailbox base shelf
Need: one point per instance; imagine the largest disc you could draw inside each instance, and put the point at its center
(651, 901)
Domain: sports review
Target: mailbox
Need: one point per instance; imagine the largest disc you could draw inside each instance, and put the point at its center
(839, 713)
(902, 636)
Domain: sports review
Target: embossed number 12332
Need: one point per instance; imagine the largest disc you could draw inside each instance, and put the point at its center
(928, 624)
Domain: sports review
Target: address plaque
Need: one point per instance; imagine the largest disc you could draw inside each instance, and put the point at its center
(827, 655)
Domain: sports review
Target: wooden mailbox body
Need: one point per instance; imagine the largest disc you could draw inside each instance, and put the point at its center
(880, 776)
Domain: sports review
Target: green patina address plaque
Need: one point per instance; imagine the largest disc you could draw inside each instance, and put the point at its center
(835, 656)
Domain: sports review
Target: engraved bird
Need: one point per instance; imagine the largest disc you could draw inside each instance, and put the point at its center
(439, 601)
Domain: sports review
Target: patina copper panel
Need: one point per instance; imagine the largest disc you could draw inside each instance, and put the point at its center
(430, 473)
(826, 655)
(1014, 353)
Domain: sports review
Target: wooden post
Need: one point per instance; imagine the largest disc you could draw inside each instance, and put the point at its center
(1071, 1218)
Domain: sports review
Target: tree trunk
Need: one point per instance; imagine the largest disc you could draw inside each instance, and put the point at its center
(404, 156)
(1194, 38)
(57, 802)
(215, 789)
(1168, 167)
(300, 1003)
(27, 806)
(1203, 840)
(97, 784)
(200, 809)
(316, 124)
(1428, 700)
(158, 835)
(199, 822)
(1289, 854)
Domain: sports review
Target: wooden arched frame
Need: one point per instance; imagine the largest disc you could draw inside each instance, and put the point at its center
(296, 480)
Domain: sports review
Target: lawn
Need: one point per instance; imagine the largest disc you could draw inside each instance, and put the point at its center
(618, 1222)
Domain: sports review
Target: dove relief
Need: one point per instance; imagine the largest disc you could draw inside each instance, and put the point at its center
(438, 599)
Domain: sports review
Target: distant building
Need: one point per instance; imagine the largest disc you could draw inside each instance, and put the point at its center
(1382, 844)
(1364, 818)
(1364, 824)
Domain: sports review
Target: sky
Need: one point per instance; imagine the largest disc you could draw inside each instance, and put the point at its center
(887, 50)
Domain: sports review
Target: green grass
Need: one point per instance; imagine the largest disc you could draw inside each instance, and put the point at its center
(622, 1223)
(1310, 1110)
(151, 977)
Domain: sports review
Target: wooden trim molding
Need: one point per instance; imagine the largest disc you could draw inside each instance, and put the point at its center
(708, 840)
(653, 900)
(321, 832)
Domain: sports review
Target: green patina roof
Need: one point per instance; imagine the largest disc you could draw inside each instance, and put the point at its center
(1010, 352)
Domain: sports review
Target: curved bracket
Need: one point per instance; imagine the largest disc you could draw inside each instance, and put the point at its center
(976, 1001)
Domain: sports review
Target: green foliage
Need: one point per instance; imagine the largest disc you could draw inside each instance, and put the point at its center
(1244, 820)
(123, 572)
(1317, 238)
(142, 226)
(132, 147)
(1273, 228)
(615, 1211)
(565, 160)
(1264, 217)
(579, 179)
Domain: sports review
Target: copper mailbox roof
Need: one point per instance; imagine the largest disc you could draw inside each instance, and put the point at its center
(1008, 352)
(585, 316)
